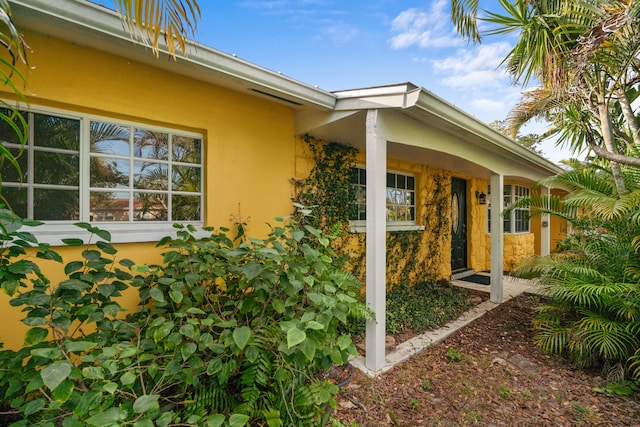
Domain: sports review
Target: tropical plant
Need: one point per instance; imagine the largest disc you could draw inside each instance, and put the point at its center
(223, 335)
(592, 280)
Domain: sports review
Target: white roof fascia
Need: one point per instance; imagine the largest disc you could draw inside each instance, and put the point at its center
(84, 23)
(409, 97)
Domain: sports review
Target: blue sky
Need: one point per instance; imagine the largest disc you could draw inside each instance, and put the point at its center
(346, 44)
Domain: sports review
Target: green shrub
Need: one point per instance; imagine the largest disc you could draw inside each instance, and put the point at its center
(223, 335)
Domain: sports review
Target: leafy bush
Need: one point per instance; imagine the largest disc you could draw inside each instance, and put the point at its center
(592, 281)
(223, 335)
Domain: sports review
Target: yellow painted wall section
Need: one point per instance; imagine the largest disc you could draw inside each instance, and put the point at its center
(249, 142)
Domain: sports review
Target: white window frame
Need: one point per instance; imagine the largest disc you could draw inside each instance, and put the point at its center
(516, 192)
(52, 232)
(360, 226)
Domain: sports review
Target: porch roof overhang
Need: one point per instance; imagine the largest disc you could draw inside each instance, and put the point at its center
(93, 26)
(424, 128)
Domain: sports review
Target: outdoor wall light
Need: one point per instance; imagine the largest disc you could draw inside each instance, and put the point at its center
(482, 198)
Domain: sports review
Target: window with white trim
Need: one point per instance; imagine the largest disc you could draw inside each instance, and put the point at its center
(401, 197)
(518, 220)
(94, 169)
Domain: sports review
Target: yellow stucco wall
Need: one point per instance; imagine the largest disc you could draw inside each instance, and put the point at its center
(248, 142)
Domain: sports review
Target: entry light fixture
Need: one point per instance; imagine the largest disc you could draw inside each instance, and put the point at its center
(482, 198)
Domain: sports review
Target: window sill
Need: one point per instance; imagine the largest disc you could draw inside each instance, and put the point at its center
(362, 228)
(120, 233)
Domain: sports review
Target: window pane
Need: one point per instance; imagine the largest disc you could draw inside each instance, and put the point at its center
(185, 208)
(363, 176)
(391, 180)
(107, 138)
(411, 183)
(186, 150)
(56, 168)
(17, 200)
(353, 176)
(56, 132)
(150, 176)
(150, 144)
(109, 172)
(109, 206)
(186, 178)
(150, 207)
(401, 182)
(51, 204)
(9, 171)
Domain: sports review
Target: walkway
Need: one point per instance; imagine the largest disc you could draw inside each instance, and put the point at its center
(511, 288)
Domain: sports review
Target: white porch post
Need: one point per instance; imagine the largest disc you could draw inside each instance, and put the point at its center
(497, 237)
(376, 158)
(545, 227)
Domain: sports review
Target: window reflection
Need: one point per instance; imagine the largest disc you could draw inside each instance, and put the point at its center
(109, 206)
(150, 144)
(150, 207)
(56, 168)
(53, 204)
(185, 208)
(185, 178)
(150, 176)
(107, 172)
(186, 150)
(107, 138)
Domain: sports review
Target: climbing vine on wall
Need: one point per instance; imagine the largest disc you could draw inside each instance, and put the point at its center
(412, 256)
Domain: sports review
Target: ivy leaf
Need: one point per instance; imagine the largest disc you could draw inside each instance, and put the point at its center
(146, 402)
(295, 336)
(238, 420)
(75, 346)
(53, 374)
(251, 270)
(73, 266)
(312, 324)
(187, 350)
(35, 336)
(241, 336)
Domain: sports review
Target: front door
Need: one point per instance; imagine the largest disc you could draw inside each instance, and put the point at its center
(458, 224)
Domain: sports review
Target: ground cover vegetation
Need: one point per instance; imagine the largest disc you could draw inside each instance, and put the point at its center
(223, 334)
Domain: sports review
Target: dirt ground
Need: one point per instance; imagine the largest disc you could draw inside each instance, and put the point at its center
(488, 373)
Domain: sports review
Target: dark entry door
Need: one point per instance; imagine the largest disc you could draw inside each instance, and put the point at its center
(458, 224)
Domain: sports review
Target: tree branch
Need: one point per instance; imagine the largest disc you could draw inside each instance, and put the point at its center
(618, 158)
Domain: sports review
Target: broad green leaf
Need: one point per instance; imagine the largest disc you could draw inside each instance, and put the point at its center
(187, 350)
(314, 325)
(143, 422)
(344, 341)
(35, 336)
(47, 353)
(278, 306)
(176, 296)
(110, 387)
(88, 401)
(295, 336)
(128, 378)
(73, 266)
(73, 242)
(251, 270)
(241, 336)
(33, 406)
(215, 420)
(106, 247)
(156, 294)
(146, 402)
(108, 418)
(74, 346)
(63, 392)
(10, 286)
(238, 420)
(21, 267)
(93, 372)
(53, 374)
(34, 321)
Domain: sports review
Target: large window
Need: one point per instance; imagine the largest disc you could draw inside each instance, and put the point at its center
(401, 196)
(81, 168)
(518, 220)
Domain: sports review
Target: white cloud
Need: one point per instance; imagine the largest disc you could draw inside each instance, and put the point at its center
(338, 32)
(424, 29)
